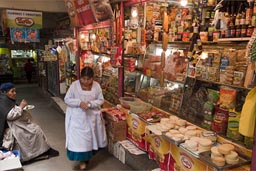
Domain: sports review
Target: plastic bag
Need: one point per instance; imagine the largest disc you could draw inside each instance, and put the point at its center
(247, 120)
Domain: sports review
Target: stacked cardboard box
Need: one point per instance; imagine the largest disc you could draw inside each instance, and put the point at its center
(115, 124)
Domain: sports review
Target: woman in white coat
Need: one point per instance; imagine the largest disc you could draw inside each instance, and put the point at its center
(85, 129)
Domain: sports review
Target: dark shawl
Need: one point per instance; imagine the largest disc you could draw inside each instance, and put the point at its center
(6, 104)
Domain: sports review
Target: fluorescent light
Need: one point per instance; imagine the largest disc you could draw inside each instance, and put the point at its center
(134, 12)
(204, 55)
(82, 36)
(183, 3)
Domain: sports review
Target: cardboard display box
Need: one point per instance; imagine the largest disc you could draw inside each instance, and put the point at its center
(116, 130)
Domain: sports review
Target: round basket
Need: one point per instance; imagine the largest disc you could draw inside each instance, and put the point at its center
(127, 101)
(140, 107)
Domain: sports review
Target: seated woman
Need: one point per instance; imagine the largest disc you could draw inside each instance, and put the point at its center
(29, 136)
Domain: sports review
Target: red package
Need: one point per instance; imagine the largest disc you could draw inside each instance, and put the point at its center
(220, 120)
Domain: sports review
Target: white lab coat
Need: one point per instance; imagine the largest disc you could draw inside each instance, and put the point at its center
(85, 129)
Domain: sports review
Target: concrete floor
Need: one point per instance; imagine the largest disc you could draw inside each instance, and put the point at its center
(51, 119)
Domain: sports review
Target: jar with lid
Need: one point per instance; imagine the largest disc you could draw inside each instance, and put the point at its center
(232, 31)
(223, 33)
(243, 30)
(249, 31)
(238, 31)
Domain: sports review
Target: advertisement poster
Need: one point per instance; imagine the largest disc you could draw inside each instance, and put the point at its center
(84, 12)
(24, 35)
(20, 19)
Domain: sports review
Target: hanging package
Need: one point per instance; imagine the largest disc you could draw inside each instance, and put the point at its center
(247, 120)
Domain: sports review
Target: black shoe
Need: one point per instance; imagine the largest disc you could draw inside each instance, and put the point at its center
(36, 159)
(52, 153)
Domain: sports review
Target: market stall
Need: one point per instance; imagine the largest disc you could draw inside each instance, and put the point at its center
(186, 68)
(99, 32)
(180, 60)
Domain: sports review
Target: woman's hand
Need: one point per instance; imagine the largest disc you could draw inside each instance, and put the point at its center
(23, 103)
(84, 105)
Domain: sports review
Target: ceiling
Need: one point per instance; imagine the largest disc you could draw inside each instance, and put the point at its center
(35, 5)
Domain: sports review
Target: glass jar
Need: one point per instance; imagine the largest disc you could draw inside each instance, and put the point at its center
(243, 30)
(238, 31)
(249, 31)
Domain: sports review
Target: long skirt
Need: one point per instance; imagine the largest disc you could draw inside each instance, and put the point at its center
(81, 156)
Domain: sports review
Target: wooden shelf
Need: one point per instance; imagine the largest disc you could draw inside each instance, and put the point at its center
(228, 85)
(237, 39)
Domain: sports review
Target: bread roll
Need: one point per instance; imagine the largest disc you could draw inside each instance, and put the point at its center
(173, 118)
(178, 137)
(231, 156)
(215, 152)
(219, 161)
(191, 145)
(225, 148)
(181, 122)
(164, 120)
(231, 161)
(174, 132)
(203, 148)
(205, 142)
(191, 127)
(190, 133)
(182, 130)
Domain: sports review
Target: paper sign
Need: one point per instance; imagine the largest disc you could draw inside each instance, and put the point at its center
(20, 19)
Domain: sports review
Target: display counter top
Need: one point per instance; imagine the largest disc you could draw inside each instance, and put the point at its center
(220, 140)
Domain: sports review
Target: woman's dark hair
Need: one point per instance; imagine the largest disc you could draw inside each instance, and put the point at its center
(87, 71)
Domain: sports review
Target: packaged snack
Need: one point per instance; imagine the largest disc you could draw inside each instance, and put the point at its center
(227, 98)
(208, 110)
(224, 62)
(233, 126)
(213, 95)
(220, 120)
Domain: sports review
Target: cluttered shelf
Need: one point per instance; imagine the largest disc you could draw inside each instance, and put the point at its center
(223, 84)
(220, 40)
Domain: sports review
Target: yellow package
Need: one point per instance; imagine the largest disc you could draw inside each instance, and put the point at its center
(247, 120)
(233, 126)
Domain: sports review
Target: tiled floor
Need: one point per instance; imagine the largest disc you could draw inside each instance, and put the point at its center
(51, 119)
